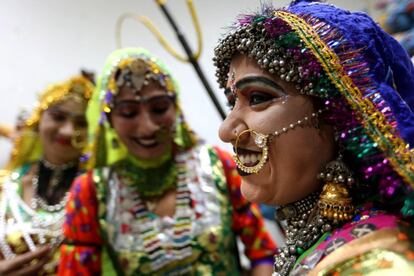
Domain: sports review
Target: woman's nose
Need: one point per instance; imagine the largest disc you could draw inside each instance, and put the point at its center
(146, 125)
(230, 128)
(67, 129)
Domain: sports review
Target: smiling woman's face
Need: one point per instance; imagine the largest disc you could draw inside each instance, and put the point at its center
(144, 126)
(59, 125)
(263, 103)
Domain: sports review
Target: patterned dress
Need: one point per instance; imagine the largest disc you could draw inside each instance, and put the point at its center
(109, 228)
(373, 243)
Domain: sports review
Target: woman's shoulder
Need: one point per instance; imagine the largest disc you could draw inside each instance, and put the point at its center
(370, 242)
(93, 175)
(88, 179)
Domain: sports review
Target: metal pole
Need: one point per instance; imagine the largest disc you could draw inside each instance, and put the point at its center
(192, 60)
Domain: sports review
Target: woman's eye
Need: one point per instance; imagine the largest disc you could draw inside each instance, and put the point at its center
(159, 110)
(128, 113)
(126, 110)
(256, 98)
(58, 116)
(160, 106)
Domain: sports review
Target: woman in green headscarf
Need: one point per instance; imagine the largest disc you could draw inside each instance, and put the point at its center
(156, 201)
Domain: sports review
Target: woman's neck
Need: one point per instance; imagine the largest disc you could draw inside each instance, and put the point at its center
(149, 181)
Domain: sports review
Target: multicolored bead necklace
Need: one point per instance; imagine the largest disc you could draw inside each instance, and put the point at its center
(180, 246)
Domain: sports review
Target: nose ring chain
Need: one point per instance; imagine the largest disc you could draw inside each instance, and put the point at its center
(261, 140)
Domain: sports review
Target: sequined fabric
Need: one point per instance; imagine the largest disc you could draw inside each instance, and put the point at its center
(361, 241)
(217, 210)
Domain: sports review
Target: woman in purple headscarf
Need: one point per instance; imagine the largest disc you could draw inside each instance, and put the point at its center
(321, 123)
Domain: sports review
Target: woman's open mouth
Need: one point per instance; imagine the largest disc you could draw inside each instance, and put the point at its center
(63, 141)
(248, 158)
(146, 143)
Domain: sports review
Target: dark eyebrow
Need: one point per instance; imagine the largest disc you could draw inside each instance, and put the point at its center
(144, 99)
(263, 80)
(66, 112)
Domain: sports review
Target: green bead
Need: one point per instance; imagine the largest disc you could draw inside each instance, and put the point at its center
(259, 19)
(299, 250)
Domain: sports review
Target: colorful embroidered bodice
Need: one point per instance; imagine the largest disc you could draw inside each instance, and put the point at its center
(199, 239)
(373, 241)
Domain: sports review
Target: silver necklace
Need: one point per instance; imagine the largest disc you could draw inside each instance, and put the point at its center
(37, 201)
(17, 216)
(304, 227)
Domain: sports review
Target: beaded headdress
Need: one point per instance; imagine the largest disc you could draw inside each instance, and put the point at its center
(135, 68)
(363, 76)
(27, 146)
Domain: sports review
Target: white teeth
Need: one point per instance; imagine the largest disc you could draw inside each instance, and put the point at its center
(241, 157)
(247, 159)
(146, 142)
(253, 158)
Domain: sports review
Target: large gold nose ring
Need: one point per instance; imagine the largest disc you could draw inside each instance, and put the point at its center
(261, 141)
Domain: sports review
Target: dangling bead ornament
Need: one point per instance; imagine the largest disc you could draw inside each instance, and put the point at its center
(335, 202)
(261, 140)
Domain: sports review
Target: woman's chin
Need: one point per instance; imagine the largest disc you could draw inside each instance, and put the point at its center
(253, 193)
(255, 189)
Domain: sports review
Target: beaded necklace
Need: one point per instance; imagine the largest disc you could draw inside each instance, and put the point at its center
(57, 173)
(34, 226)
(150, 182)
(160, 253)
(304, 227)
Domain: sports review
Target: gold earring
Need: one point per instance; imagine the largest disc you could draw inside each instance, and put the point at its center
(335, 203)
(77, 141)
(261, 141)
